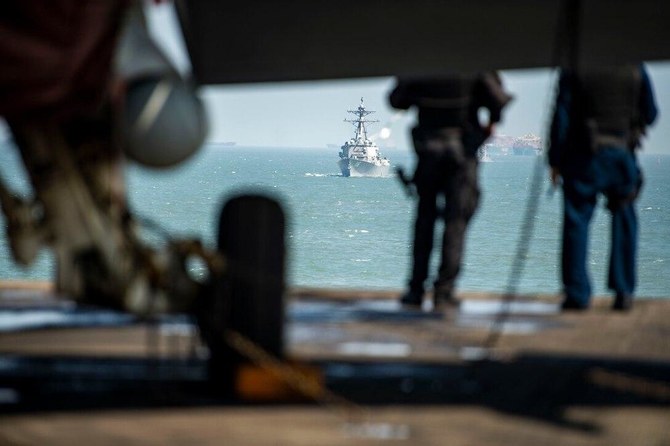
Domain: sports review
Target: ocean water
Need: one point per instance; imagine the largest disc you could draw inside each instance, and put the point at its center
(356, 232)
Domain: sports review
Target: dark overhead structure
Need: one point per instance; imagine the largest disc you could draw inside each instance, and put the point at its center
(269, 40)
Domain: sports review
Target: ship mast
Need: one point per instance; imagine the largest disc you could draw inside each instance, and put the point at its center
(360, 122)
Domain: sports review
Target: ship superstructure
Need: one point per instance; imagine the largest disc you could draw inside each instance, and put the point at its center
(527, 145)
(360, 156)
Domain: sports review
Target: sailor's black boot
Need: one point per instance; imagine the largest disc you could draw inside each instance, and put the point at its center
(412, 298)
(623, 302)
(444, 299)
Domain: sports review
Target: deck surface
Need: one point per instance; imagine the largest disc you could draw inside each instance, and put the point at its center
(488, 372)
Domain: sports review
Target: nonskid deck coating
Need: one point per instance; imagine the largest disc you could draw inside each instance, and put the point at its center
(316, 327)
(579, 378)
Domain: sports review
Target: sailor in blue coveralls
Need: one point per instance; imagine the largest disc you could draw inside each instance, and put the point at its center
(598, 121)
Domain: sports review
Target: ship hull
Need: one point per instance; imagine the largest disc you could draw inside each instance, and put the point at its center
(357, 168)
(525, 151)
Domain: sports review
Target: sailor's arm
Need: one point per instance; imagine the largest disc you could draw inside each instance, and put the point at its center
(558, 134)
(401, 96)
(648, 108)
(492, 95)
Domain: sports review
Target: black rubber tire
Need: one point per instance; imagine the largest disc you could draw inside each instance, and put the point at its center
(249, 297)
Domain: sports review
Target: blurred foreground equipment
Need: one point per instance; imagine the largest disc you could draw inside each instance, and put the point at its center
(109, 93)
(106, 90)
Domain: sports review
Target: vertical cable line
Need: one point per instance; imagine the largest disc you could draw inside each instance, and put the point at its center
(567, 29)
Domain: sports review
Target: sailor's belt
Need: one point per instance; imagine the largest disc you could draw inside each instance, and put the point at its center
(443, 133)
(438, 140)
(451, 137)
(602, 141)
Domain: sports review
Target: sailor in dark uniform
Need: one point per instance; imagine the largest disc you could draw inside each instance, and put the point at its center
(599, 118)
(446, 140)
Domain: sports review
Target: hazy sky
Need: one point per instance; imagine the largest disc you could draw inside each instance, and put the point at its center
(311, 114)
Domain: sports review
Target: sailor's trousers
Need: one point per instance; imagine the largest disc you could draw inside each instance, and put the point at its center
(613, 172)
(446, 172)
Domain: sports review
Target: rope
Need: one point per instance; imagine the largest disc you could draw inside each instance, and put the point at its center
(519, 263)
(642, 387)
(567, 29)
(357, 419)
(293, 377)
